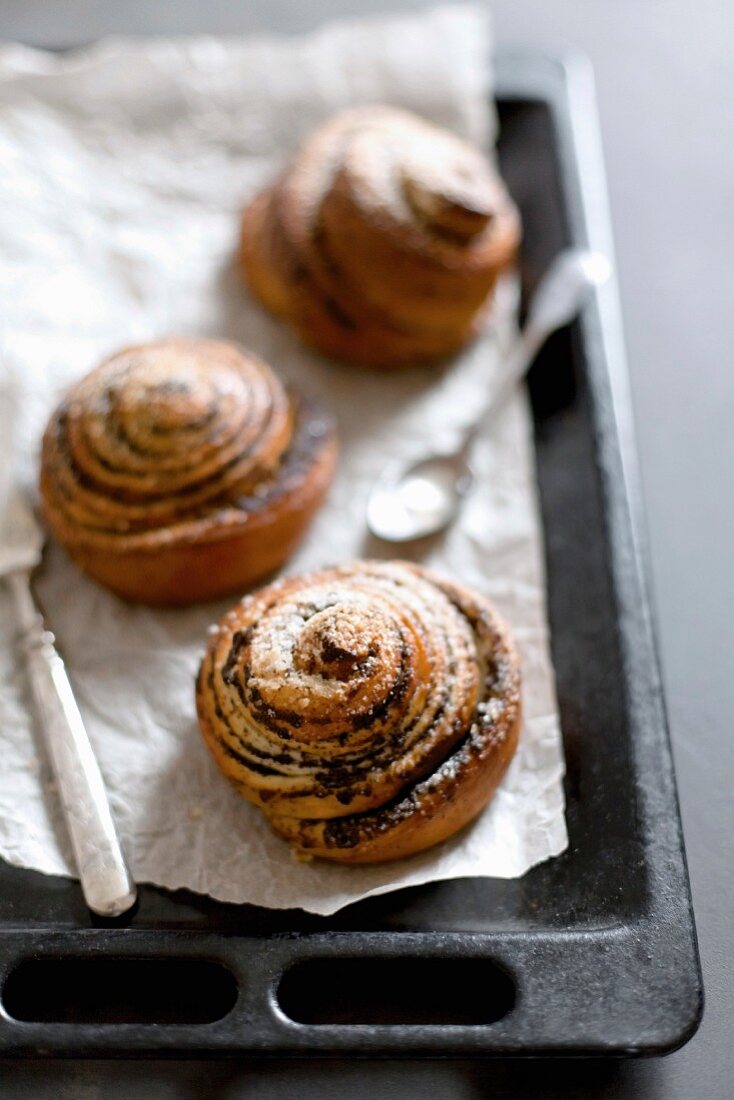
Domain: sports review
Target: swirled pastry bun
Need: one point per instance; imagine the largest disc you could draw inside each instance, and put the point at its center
(182, 470)
(370, 711)
(382, 240)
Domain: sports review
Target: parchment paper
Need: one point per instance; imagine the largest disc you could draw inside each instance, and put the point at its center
(122, 172)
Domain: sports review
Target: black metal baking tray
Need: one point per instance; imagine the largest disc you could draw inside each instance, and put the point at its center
(594, 952)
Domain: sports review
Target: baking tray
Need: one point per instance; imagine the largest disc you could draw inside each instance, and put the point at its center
(592, 953)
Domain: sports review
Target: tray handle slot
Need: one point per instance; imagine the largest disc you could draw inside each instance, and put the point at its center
(119, 991)
(410, 990)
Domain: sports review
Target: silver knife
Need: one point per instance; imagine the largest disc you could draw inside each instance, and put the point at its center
(106, 881)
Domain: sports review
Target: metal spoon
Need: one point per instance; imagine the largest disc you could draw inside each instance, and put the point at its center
(412, 501)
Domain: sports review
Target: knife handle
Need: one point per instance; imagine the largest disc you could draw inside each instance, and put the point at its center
(105, 879)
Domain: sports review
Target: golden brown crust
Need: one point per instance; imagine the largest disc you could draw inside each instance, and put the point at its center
(382, 241)
(182, 470)
(370, 711)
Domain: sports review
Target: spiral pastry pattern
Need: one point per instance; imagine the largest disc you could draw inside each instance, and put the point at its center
(172, 450)
(369, 710)
(382, 240)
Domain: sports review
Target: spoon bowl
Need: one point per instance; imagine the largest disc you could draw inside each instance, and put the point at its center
(412, 502)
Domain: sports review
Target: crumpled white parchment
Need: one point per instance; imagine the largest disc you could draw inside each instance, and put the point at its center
(124, 168)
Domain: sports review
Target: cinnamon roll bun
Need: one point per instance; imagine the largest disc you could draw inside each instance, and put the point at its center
(370, 710)
(383, 239)
(182, 470)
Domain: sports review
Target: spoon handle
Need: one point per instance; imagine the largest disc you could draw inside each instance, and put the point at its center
(562, 291)
(514, 368)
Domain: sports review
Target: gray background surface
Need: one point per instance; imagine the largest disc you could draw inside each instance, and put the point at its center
(665, 74)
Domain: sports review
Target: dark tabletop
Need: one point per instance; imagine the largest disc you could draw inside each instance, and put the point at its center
(665, 73)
